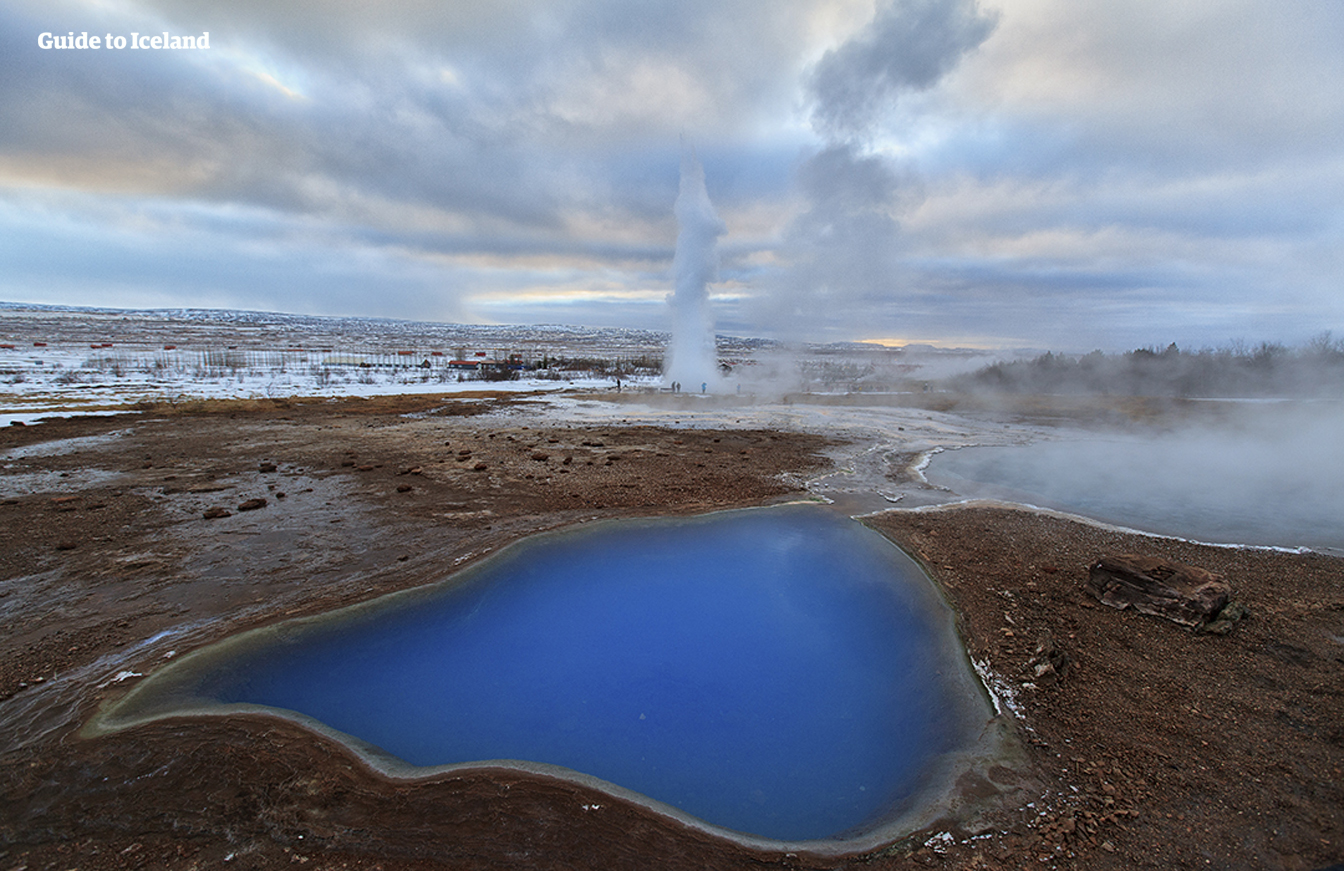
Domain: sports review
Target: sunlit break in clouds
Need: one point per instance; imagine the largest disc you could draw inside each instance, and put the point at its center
(1022, 173)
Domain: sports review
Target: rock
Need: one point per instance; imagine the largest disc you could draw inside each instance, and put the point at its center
(404, 488)
(216, 512)
(1187, 595)
(1227, 619)
(252, 504)
(1048, 663)
(266, 467)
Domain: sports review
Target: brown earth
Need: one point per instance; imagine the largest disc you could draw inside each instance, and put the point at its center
(1157, 747)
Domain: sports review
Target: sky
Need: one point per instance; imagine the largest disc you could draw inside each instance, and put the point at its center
(1064, 174)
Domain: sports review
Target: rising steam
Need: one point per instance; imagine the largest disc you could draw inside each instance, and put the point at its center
(691, 356)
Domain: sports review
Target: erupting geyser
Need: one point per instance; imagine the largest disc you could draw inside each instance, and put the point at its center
(691, 357)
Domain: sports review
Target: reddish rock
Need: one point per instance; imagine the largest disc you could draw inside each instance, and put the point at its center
(1174, 591)
(252, 504)
(216, 512)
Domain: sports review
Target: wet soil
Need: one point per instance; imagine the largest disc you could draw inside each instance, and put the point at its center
(1157, 747)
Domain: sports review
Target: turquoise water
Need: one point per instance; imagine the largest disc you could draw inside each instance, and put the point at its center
(785, 672)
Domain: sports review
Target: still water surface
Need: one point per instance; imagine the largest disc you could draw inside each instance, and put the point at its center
(1283, 488)
(784, 672)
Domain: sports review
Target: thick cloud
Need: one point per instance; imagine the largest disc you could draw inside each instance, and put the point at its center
(1044, 172)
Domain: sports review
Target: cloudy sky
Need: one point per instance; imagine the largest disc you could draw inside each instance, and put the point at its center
(1072, 174)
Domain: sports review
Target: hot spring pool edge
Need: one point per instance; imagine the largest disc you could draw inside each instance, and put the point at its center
(942, 797)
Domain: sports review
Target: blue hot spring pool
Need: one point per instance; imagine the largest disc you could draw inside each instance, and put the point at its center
(784, 672)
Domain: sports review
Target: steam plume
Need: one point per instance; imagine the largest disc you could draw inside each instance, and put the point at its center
(691, 357)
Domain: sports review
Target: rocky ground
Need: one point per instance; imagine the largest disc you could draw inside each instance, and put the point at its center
(1152, 746)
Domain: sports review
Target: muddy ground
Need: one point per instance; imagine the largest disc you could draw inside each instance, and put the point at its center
(1156, 748)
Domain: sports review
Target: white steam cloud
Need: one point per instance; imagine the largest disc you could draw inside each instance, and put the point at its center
(907, 47)
(691, 357)
(844, 251)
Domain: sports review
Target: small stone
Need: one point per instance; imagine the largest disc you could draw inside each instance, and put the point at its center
(1226, 619)
(252, 504)
(266, 467)
(1048, 663)
(404, 488)
(216, 512)
(67, 545)
(479, 467)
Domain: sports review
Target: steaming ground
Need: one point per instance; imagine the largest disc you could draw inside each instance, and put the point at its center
(1263, 473)
(1158, 748)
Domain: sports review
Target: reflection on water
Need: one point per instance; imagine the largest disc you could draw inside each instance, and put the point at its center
(782, 672)
(1283, 488)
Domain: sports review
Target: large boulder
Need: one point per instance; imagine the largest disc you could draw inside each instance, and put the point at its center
(1183, 594)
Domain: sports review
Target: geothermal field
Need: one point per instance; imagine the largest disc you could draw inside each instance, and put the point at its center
(171, 480)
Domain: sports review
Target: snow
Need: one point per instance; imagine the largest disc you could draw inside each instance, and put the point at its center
(64, 381)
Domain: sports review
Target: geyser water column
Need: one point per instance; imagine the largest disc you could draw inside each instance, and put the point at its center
(692, 359)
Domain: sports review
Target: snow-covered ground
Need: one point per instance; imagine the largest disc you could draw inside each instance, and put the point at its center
(64, 360)
(64, 380)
